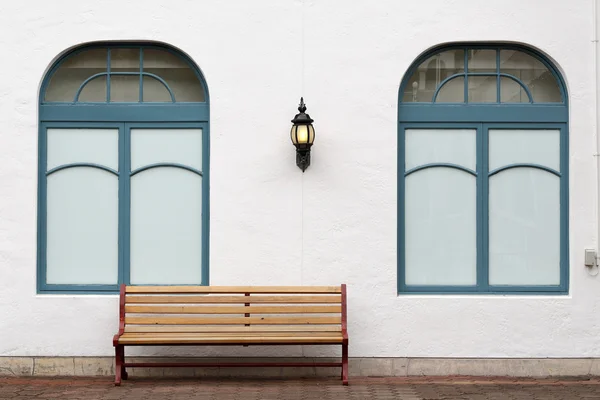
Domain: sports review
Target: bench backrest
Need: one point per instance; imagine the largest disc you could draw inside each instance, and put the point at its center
(146, 309)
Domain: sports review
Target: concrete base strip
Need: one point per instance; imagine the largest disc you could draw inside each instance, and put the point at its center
(514, 367)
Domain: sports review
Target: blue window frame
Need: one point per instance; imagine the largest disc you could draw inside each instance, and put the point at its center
(123, 180)
(483, 173)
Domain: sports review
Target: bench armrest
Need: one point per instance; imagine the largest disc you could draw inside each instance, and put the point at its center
(344, 314)
(121, 315)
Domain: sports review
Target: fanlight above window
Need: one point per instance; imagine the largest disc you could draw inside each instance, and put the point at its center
(119, 75)
(482, 75)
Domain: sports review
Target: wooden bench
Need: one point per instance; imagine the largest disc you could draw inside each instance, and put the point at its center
(237, 315)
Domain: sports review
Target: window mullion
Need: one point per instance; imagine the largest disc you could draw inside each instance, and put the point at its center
(108, 75)
(121, 195)
(498, 81)
(466, 83)
(141, 75)
(482, 209)
(124, 196)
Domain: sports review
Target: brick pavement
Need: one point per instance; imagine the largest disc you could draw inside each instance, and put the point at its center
(299, 389)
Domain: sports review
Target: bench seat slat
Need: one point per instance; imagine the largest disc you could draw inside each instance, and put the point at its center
(208, 299)
(230, 334)
(170, 320)
(175, 309)
(229, 340)
(225, 328)
(233, 289)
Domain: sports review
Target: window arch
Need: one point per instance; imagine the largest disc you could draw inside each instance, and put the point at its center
(123, 169)
(482, 172)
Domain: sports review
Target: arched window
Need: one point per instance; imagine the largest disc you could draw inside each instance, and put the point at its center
(483, 173)
(123, 170)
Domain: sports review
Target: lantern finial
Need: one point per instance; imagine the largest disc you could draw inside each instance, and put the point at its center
(302, 106)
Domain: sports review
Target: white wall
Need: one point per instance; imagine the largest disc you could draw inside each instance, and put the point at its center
(270, 224)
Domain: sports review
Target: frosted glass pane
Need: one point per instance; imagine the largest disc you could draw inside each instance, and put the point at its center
(482, 89)
(125, 88)
(533, 73)
(182, 146)
(97, 146)
(73, 71)
(453, 91)
(455, 146)
(94, 91)
(82, 227)
(166, 227)
(524, 226)
(177, 73)
(532, 146)
(441, 230)
(479, 60)
(431, 73)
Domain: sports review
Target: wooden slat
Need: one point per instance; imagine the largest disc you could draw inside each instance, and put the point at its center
(230, 334)
(174, 309)
(167, 320)
(234, 289)
(207, 299)
(229, 340)
(224, 328)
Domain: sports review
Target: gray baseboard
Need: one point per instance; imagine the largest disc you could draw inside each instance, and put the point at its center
(380, 366)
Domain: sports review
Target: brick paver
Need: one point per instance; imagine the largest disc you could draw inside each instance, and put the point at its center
(300, 389)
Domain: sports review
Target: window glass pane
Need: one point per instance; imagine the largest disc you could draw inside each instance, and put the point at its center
(512, 92)
(96, 146)
(94, 91)
(166, 227)
(441, 230)
(177, 73)
(151, 146)
(154, 90)
(532, 146)
(124, 88)
(481, 60)
(431, 73)
(124, 60)
(453, 91)
(524, 224)
(454, 146)
(533, 73)
(482, 89)
(82, 227)
(73, 72)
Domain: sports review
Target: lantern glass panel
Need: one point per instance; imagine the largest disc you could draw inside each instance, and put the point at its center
(302, 134)
(293, 134)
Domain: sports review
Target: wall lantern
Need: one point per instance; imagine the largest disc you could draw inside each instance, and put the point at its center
(303, 136)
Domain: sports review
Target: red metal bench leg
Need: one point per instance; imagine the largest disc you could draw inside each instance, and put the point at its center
(119, 368)
(345, 364)
(124, 373)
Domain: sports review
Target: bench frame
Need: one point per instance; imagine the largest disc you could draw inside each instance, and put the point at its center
(121, 365)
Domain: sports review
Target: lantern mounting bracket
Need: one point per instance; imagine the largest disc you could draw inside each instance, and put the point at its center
(303, 159)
